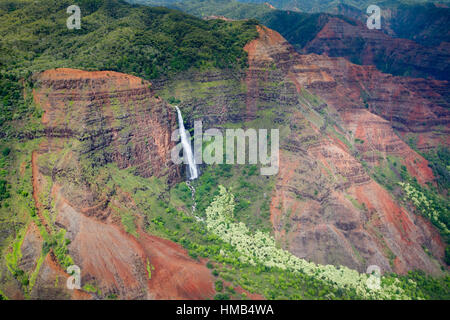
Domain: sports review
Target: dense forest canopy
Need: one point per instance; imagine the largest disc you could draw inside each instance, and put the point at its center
(140, 40)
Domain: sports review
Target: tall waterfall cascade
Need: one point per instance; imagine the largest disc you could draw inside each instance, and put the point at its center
(187, 153)
(187, 149)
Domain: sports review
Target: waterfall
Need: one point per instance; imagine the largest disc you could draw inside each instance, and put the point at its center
(187, 149)
(193, 171)
(194, 203)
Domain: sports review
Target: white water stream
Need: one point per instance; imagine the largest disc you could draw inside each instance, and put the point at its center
(187, 152)
(193, 171)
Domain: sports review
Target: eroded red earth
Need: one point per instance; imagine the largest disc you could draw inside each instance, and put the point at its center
(112, 262)
(325, 207)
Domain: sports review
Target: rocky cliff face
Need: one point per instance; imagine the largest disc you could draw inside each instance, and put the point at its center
(93, 119)
(410, 105)
(339, 38)
(423, 23)
(325, 206)
(116, 117)
(333, 117)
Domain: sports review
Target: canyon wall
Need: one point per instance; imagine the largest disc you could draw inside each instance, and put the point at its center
(93, 119)
(325, 207)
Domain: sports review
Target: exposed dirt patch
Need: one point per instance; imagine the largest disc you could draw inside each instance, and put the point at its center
(116, 262)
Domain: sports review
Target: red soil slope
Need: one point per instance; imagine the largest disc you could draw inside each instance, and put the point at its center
(129, 126)
(325, 207)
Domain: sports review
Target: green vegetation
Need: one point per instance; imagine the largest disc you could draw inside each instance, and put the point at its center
(4, 193)
(149, 268)
(147, 42)
(258, 248)
(327, 5)
(10, 96)
(228, 8)
(222, 296)
(429, 204)
(388, 173)
(297, 27)
(439, 161)
(253, 192)
(58, 242)
(429, 201)
(268, 273)
(172, 219)
(168, 216)
(231, 229)
(420, 21)
(17, 210)
(3, 296)
(219, 286)
(417, 20)
(447, 255)
(92, 288)
(116, 36)
(424, 200)
(143, 41)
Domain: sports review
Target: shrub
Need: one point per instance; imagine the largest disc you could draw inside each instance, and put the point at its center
(222, 296)
(447, 255)
(193, 255)
(259, 249)
(6, 151)
(219, 286)
(4, 193)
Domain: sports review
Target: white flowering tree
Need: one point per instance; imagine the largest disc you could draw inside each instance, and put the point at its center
(426, 206)
(259, 248)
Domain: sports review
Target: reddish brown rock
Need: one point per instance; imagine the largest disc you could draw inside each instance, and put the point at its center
(116, 262)
(117, 117)
(107, 117)
(325, 207)
(354, 41)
